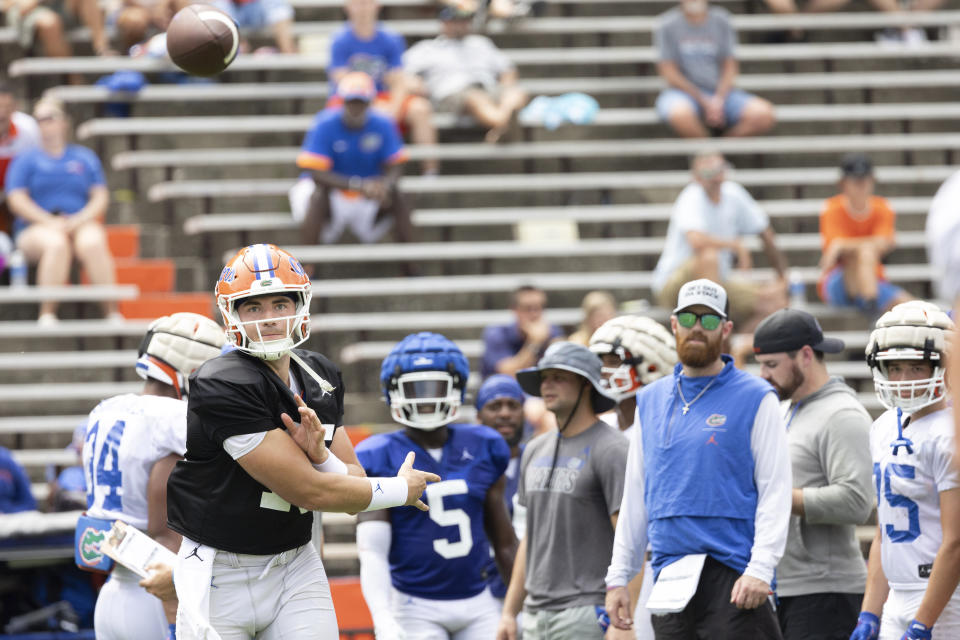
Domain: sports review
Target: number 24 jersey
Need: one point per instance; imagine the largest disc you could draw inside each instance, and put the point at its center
(908, 493)
(442, 553)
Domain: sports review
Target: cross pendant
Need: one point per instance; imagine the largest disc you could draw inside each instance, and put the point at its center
(686, 408)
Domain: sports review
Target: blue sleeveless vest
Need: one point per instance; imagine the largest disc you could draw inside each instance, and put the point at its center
(698, 467)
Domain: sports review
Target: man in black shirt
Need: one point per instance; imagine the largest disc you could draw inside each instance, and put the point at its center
(242, 498)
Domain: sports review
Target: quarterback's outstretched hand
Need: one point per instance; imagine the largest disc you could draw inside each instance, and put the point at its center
(868, 627)
(416, 482)
(308, 433)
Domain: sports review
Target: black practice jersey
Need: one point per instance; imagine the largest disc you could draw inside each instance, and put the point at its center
(210, 498)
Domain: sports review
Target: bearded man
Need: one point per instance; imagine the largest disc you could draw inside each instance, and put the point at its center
(821, 577)
(708, 482)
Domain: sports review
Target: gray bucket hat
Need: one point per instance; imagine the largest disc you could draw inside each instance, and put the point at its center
(571, 357)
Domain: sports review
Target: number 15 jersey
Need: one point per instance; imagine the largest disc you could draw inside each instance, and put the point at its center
(441, 554)
(908, 493)
(126, 435)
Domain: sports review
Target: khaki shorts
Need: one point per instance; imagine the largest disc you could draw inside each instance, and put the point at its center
(26, 25)
(454, 103)
(742, 294)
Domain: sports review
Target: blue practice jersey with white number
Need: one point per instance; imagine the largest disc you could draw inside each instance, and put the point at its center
(126, 435)
(908, 493)
(442, 553)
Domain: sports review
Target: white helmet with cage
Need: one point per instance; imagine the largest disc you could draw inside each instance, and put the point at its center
(915, 330)
(175, 345)
(647, 349)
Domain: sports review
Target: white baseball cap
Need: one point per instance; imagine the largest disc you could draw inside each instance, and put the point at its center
(705, 292)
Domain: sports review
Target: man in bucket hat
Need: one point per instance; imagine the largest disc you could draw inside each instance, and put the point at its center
(708, 483)
(571, 483)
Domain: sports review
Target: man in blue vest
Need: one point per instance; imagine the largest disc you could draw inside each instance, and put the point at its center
(708, 482)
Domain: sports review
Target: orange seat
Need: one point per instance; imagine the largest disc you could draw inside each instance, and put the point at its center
(153, 305)
(123, 240)
(151, 276)
(351, 608)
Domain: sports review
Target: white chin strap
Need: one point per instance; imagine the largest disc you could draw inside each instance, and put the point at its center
(268, 349)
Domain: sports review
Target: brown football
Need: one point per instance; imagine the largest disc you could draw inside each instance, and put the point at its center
(202, 40)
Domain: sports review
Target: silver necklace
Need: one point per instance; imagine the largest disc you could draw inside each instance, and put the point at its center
(686, 405)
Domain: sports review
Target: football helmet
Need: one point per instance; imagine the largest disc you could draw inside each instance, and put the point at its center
(914, 330)
(424, 380)
(264, 269)
(648, 351)
(175, 345)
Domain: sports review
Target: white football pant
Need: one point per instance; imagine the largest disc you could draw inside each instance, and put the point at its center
(126, 611)
(901, 607)
(473, 618)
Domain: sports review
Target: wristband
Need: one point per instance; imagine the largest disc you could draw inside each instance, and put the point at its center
(172, 630)
(386, 493)
(332, 464)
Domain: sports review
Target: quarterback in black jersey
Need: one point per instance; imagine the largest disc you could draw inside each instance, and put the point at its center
(244, 494)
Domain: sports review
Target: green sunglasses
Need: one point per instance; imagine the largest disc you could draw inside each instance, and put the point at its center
(709, 321)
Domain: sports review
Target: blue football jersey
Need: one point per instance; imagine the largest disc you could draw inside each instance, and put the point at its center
(441, 554)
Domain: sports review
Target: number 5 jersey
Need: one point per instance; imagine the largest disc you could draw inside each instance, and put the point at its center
(908, 481)
(441, 554)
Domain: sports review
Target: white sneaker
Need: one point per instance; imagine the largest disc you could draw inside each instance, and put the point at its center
(48, 320)
(115, 317)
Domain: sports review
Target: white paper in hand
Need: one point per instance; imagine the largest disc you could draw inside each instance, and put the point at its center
(676, 584)
(134, 549)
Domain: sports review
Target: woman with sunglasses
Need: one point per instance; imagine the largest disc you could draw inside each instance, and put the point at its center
(59, 198)
(708, 472)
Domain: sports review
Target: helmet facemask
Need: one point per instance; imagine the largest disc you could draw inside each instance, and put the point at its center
(909, 395)
(622, 380)
(247, 335)
(425, 400)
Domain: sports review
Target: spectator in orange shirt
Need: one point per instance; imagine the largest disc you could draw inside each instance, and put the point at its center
(857, 229)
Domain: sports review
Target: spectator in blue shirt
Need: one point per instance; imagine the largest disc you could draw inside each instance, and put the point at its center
(14, 485)
(354, 158)
(59, 198)
(510, 347)
(366, 45)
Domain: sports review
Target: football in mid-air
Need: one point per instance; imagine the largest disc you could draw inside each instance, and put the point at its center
(202, 40)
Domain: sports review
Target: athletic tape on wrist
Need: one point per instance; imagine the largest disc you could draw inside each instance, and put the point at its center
(387, 492)
(332, 464)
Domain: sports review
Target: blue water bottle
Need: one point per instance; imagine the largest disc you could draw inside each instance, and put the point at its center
(18, 269)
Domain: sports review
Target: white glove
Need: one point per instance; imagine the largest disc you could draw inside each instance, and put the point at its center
(386, 627)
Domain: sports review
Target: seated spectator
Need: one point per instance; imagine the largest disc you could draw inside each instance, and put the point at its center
(709, 220)
(48, 20)
(465, 73)
(857, 229)
(15, 494)
(696, 45)
(59, 198)
(275, 15)
(366, 45)
(906, 34)
(18, 133)
(353, 158)
(138, 19)
(510, 347)
(597, 308)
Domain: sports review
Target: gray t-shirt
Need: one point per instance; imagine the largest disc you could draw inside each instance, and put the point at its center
(569, 534)
(698, 50)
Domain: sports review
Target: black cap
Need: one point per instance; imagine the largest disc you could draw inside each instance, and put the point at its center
(789, 330)
(856, 165)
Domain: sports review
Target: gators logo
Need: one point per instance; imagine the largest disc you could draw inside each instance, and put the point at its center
(717, 420)
(89, 546)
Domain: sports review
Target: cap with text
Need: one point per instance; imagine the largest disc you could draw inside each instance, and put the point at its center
(790, 330)
(702, 292)
(356, 85)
